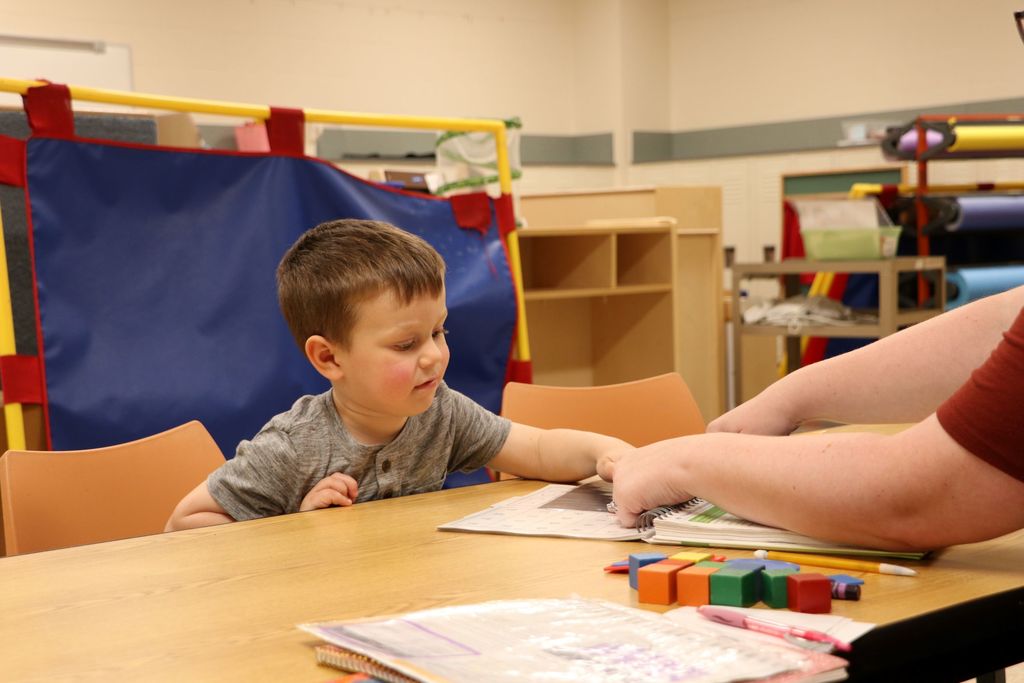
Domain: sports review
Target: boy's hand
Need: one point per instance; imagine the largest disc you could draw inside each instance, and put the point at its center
(607, 461)
(334, 489)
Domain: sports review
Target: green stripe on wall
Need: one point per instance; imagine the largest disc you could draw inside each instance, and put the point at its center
(836, 182)
(788, 136)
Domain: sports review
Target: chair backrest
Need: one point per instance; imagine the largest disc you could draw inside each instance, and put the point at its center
(638, 412)
(56, 499)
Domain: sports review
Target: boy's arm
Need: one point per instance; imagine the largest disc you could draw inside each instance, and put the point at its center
(562, 455)
(197, 509)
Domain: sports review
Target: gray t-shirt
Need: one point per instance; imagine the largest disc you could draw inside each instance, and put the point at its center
(272, 473)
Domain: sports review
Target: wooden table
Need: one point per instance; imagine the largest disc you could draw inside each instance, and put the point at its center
(221, 603)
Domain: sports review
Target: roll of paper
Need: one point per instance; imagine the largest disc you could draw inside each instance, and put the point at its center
(964, 285)
(996, 212)
(908, 141)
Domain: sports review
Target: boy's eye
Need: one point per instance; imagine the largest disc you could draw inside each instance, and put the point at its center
(406, 345)
(438, 333)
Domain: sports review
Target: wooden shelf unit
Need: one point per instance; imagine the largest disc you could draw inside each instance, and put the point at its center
(891, 317)
(599, 302)
(635, 294)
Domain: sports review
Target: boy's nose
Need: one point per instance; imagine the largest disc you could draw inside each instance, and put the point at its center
(432, 355)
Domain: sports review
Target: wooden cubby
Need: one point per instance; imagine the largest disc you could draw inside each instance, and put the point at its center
(599, 302)
(631, 288)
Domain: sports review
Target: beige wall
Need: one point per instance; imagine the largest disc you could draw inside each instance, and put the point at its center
(442, 58)
(738, 62)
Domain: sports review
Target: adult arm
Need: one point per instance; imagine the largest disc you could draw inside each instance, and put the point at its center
(918, 489)
(900, 378)
(562, 455)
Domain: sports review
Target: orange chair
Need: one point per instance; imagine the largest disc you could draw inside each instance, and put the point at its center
(56, 499)
(638, 412)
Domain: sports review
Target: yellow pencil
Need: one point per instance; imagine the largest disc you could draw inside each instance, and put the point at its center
(836, 562)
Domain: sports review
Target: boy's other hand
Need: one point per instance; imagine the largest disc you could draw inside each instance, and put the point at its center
(607, 461)
(334, 489)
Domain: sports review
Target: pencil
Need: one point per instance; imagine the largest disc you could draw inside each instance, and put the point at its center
(836, 562)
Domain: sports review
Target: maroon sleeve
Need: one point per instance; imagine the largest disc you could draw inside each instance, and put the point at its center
(986, 415)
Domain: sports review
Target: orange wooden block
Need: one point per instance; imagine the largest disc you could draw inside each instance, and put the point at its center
(656, 583)
(693, 585)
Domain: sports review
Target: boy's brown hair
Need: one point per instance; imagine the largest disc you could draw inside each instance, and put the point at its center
(337, 265)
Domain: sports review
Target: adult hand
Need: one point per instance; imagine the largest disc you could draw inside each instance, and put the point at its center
(764, 414)
(334, 489)
(649, 477)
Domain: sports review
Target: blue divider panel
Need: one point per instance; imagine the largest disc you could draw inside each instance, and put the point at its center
(157, 300)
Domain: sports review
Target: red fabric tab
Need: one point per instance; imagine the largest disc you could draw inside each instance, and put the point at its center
(472, 211)
(12, 161)
(286, 130)
(21, 379)
(49, 110)
(519, 371)
(506, 214)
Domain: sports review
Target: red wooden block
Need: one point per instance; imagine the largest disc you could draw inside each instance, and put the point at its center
(809, 592)
(693, 585)
(656, 583)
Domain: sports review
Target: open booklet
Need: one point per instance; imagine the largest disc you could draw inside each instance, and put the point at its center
(567, 640)
(580, 511)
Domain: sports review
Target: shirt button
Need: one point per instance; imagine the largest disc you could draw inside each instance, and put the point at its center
(385, 466)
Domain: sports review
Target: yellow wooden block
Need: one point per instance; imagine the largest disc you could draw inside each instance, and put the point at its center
(694, 556)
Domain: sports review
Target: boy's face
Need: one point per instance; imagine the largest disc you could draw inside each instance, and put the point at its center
(396, 356)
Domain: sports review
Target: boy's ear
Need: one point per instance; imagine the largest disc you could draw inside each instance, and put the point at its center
(321, 353)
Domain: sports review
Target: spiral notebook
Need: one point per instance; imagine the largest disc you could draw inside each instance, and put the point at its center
(570, 511)
(569, 640)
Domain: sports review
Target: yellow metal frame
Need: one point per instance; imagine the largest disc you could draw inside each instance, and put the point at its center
(12, 412)
(862, 190)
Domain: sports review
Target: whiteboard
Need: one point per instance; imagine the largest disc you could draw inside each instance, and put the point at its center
(83, 63)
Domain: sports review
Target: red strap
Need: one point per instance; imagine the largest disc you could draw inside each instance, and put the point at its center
(519, 371)
(21, 379)
(12, 161)
(506, 214)
(472, 211)
(48, 108)
(286, 131)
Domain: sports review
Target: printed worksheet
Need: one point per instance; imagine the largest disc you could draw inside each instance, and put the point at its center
(563, 510)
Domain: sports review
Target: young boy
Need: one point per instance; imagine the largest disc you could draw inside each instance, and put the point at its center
(366, 303)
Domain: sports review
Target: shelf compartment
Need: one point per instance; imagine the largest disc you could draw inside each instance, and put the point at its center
(640, 258)
(598, 338)
(568, 262)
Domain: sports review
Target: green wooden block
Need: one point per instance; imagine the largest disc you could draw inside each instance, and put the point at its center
(734, 587)
(773, 587)
(710, 563)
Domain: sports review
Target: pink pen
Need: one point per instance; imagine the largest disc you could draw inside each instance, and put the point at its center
(730, 617)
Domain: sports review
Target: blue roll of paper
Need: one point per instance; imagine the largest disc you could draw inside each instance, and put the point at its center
(964, 285)
(995, 212)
